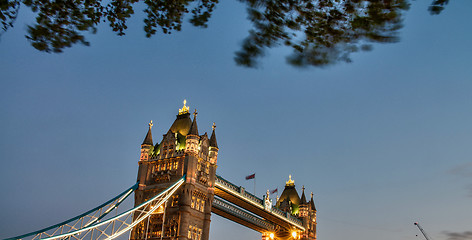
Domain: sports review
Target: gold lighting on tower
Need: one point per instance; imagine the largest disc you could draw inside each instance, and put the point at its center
(184, 109)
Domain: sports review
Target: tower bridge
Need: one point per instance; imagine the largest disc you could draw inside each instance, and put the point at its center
(177, 190)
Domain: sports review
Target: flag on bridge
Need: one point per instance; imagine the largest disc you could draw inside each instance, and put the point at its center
(251, 176)
(274, 191)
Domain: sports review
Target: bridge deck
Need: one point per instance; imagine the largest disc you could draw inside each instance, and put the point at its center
(233, 213)
(237, 196)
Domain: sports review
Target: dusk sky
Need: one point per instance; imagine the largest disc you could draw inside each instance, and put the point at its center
(382, 142)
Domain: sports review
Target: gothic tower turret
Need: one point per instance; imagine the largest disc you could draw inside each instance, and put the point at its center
(191, 143)
(213, 146)
(146, 148)
(303, 209)
(299, 207)
(309, 219)
(147, 144)
(312, 214)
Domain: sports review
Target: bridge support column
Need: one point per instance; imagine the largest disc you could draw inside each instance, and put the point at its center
(206, 227)
(207, 219)
(185, 210)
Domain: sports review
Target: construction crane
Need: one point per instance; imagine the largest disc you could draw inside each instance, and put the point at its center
(422, 231)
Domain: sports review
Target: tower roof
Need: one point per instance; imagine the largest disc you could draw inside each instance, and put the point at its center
(183, 122)
(213, 142)
(194, 128)
(312, 203)
(303, 198)
(291, 194)
(148, 138)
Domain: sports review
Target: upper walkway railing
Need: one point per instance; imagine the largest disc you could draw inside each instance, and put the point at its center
(229, 187)
(235, 211)
(239, 190)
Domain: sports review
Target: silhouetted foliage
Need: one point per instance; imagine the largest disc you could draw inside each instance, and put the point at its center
(8, 13)
(320, 32)
(437, 6)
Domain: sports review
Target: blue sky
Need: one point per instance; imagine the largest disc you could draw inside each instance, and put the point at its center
(382, 142)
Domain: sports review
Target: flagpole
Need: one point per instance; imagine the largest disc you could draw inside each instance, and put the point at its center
(255, 185)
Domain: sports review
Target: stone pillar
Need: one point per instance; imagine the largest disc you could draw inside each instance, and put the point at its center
(184, 218)
(207, 219)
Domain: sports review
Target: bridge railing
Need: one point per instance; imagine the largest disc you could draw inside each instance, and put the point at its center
(254, 198)
(227, 183)
(224, 206)
(294, 219)
(240, 190)
(279, 212)
(287, 215)
(258, 202)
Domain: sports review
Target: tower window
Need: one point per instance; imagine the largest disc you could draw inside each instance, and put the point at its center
(176, 165)
(194, 233)
(175, 200)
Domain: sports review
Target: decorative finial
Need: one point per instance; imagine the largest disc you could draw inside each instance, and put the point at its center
(195, 113)
(311, 194)
(184, 109)
(150, 124)
(303, 187)
(267, 193)
(213, 126)
(290, 182)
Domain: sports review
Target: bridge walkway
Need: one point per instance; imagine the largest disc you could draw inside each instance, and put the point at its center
(239, 197)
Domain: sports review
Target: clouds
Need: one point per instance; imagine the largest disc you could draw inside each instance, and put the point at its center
(458, 236)
(463, 170)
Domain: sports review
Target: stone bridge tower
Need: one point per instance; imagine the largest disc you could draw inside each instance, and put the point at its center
(305, 210)
(182, 151)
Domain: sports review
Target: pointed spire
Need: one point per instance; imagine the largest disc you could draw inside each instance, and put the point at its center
(303, 200)
(194, 128)
(312, 203)
(213, 142)
(148, 138)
